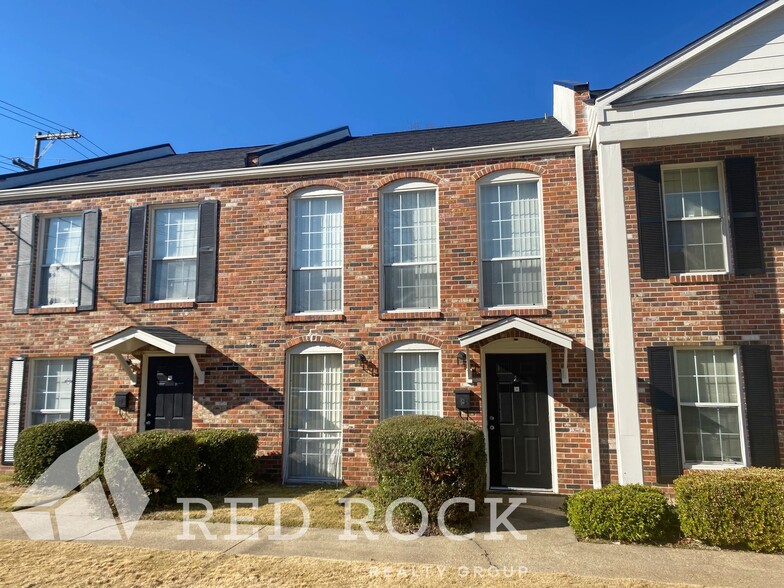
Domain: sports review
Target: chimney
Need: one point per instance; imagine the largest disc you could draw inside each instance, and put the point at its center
(569, 105)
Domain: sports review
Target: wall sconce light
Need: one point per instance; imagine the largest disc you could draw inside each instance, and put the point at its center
(461, 357)
(361, 359)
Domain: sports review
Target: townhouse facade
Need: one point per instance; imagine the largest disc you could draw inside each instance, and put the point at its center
(597, 290)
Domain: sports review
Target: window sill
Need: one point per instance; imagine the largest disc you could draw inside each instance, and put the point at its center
(701, 278)
(713, 466)
(53, 310)
(314, 318)
(169, 305)
(501, 312)
(411, 315)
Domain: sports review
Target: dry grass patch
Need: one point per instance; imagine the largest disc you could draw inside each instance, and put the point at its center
(322, 503)
(9, 492)
(27, 564)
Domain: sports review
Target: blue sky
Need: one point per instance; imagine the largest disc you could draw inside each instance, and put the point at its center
(207, 75)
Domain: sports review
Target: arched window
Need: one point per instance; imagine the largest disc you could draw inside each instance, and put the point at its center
(316, 251)
(512, 243)
(409, 236)
(314, 416)
(410, 379)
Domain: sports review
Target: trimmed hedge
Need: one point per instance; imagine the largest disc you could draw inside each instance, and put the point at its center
(226, 459)
(431, 459)
(39, 446)
(741, 508)
(165, 462)
(632, 513)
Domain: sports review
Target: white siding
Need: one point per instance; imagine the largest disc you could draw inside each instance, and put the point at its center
(753, 57)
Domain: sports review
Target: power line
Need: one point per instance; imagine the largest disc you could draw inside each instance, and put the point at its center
(35, 115)
(75, 149)
(94, 145)
(8, 167)
(6, 157)
(20, 121)
(85, 147)
(23, 116)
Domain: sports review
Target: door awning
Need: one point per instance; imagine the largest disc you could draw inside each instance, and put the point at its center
(163, 339)
(515, 322)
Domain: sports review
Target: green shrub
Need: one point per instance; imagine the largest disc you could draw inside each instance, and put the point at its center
(40, 445)
(632, 513)
(226, 459)
(741, 508)
(431, 459)
(165, 462)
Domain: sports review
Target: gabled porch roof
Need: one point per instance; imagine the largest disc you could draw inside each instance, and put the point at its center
(164, 338)
(518, 323)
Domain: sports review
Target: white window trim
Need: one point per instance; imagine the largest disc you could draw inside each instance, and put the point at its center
(744, 445)
(31, 389)
(399, 187)
(511, 177)
(317, 192)
(409, 346)
(40, 240)
(725, 226)
(151, 248)
(308, 349)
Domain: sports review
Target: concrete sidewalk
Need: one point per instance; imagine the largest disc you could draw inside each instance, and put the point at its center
(550, 547)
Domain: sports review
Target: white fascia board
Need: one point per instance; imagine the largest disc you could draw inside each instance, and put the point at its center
(679, 58)
(691, 128)
(521, 325)
(545, 146)
(114, 344)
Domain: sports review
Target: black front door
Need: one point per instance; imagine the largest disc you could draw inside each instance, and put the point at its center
(169, 393)
(518, 421)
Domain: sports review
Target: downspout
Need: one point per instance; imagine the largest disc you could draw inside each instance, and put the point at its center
(590, 361)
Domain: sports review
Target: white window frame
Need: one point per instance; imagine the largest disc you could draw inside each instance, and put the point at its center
(741, 405)
(511, 177)
(151, 250)
(400, 187)
(409, 346)
(317, 192)
(310, 349)
(40, 243)
(31, 391)
(719, 165)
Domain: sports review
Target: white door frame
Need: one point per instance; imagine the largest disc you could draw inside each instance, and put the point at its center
(521, 346)
(143, 385)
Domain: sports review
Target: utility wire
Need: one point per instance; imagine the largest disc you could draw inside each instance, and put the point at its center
(86, 148)
(36, 115)
(8, 167)
(75, 149)
(94, 145)
(6, 157)
(23, 116)
(21, 122)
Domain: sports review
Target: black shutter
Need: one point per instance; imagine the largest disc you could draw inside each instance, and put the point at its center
(25, 254)
(760, 408)
(89, 269)
(208, 251)
(134, 266)
(744, 209)
(80, 389)
(650, 222)
(13, 408)
(664, 404)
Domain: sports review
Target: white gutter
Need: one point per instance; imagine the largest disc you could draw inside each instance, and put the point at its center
(590, 361)
(321, 167)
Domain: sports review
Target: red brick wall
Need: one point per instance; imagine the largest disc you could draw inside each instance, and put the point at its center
(712, 311)
(248, 329)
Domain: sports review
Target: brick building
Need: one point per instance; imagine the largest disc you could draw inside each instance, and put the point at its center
(522, 275)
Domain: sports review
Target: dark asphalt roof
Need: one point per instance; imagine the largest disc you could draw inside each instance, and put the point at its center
(351, 148)
(167, 333)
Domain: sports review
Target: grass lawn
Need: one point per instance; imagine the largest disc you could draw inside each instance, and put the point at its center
(9, 492)
(31, 563)
(322, 502)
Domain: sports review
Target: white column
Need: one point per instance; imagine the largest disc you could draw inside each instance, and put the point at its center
(619, 312)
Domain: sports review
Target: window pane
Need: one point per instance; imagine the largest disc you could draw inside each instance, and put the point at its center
(317, 290)
(411, 384)
(315, 416)
(62, 252)
(317, 243)
(174, 279)
(176, 232)
(51, 390)
(695, 240)
(517, 283)
(413, 286)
